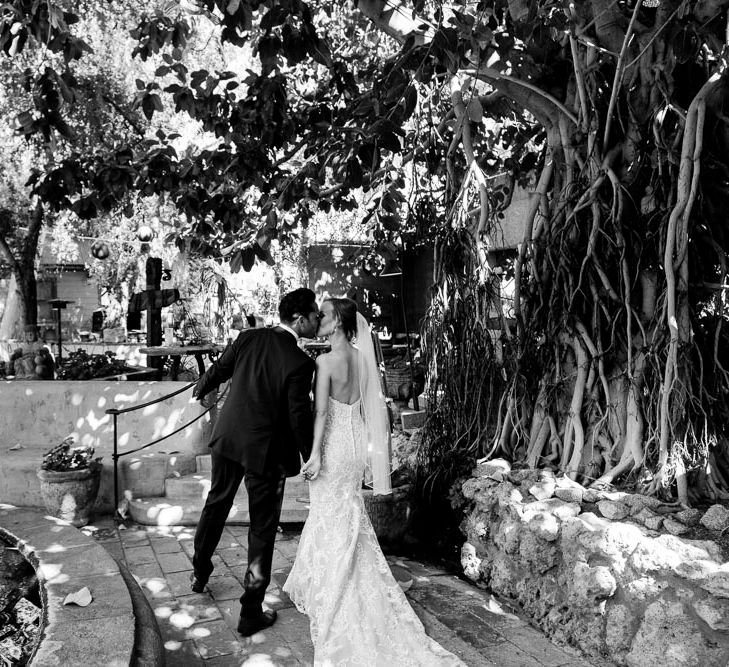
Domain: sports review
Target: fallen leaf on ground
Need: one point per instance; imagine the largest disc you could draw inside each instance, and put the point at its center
(81, 597)
(496, 607)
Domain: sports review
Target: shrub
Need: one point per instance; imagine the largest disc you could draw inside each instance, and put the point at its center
(81, 365)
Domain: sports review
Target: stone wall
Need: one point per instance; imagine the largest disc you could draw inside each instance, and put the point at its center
(606, 572)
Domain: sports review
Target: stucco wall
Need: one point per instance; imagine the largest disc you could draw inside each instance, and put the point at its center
(38, 415)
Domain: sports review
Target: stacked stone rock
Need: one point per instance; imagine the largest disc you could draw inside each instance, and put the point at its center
(607, 572)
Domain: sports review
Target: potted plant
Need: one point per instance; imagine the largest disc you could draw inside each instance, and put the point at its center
(69, 480)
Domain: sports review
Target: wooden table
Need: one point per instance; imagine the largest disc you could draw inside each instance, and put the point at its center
(176, 352)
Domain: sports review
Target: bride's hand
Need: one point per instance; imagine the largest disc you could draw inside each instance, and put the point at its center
(312, 467)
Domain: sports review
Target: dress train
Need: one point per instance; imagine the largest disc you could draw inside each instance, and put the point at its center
(359, 615)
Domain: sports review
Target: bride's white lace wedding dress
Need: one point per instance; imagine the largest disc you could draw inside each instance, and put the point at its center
(340, 578)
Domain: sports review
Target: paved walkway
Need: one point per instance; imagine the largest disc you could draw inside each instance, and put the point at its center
(201, 629)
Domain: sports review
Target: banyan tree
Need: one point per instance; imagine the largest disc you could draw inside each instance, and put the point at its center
(615, 362)
(610, 362)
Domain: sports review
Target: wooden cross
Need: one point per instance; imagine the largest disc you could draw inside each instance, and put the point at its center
(153, 300)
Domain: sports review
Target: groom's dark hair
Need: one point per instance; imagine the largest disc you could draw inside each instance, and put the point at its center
(298, 302)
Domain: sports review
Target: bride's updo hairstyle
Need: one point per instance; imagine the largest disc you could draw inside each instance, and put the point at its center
(346, 311)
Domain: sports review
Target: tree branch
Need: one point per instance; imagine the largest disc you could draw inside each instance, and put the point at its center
(618, 80)
(528, 101)
(123, 114)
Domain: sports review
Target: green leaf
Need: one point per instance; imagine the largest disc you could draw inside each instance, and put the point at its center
(248, 259)
(272, 219)
(236, 261)
(354, 173)
(475, 110)
(411, 100)
(389, 141)
(388, 203)
(390, 222)
(273, 17)
(67, 93)
(25, 119)
(364, 107)
(260, 252)
(149, 106)
(268, 48)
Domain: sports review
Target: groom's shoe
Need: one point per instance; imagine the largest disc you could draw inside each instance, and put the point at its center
(197, 583)
(249, 626)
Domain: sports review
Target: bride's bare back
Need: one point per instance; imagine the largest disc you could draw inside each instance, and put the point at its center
(342, 368)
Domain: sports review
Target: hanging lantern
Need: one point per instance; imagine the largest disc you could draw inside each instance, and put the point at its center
(100, 250)
(145, 233)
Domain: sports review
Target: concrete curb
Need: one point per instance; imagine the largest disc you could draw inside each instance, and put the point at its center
(149, 648)
(65, 561)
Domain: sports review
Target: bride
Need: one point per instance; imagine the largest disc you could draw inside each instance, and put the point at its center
(358, 614)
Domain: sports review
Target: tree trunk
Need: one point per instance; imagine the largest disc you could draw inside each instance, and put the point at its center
(21, 303)
(13, 312)
(29, 292)
(21, 307)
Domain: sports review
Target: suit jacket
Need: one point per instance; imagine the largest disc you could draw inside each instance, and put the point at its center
(266, 420)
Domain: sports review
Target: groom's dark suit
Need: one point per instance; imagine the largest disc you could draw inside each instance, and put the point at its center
(265, 424)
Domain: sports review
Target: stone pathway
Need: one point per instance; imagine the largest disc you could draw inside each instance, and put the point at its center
(201, 629)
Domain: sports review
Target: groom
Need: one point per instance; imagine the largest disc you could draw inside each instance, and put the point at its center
(264, 426)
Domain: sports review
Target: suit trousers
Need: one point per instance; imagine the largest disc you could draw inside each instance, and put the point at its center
(265, 497)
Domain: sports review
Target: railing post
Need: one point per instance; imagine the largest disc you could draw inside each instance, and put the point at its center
(115, 457)
(115, 412)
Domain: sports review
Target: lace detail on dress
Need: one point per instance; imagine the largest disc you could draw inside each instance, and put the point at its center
(358, 613)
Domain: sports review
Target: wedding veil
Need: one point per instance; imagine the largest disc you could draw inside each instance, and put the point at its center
(377, 452)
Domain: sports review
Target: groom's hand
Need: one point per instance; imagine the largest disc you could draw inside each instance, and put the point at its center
(312, 467)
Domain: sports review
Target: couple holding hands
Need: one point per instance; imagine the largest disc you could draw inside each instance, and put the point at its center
(357, 611)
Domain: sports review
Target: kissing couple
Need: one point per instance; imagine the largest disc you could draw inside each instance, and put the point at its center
(357, 611)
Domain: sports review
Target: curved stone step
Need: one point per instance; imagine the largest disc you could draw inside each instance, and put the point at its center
(149, 648)
(66, 560)
(186, 512)
(196, 487)
(189, 487)
(204, 462)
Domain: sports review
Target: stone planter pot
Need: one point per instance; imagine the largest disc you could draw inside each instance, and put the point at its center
(390, 514)
(71, 495)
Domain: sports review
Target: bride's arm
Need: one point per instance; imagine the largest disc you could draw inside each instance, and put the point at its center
(321, 403)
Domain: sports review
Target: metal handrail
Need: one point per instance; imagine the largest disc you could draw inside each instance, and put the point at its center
(120, 411)
(115, 412)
